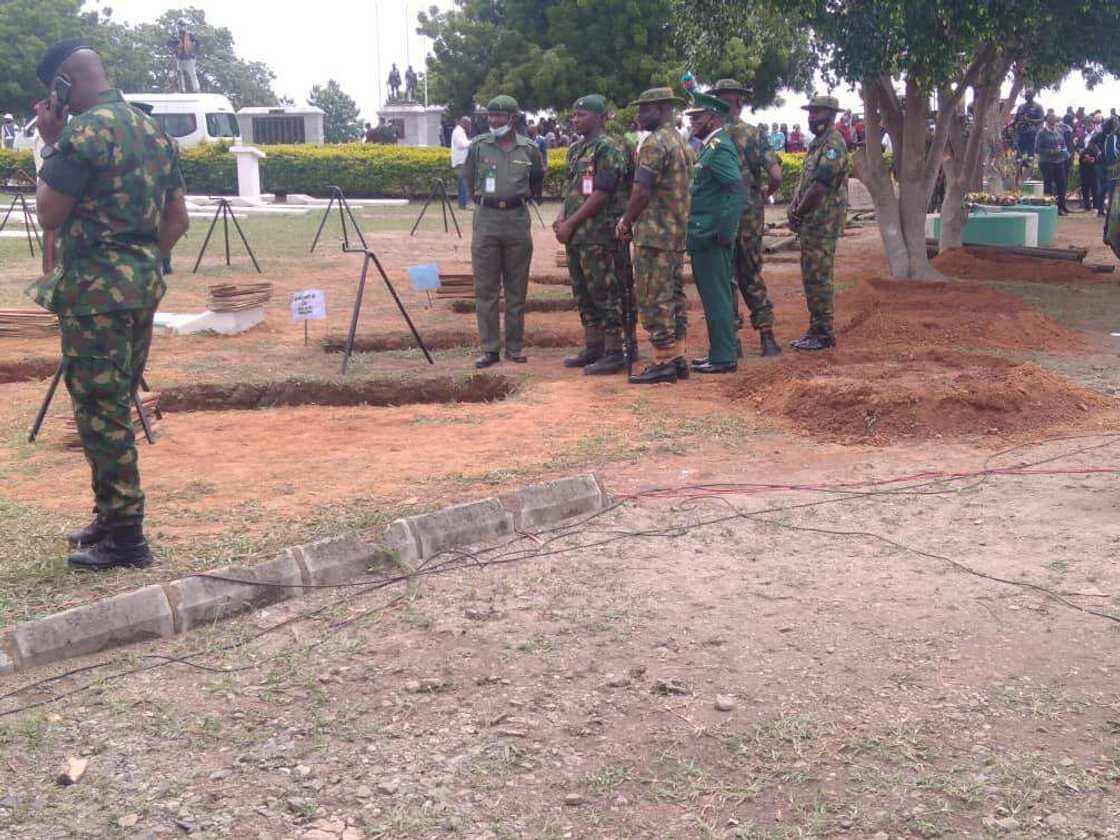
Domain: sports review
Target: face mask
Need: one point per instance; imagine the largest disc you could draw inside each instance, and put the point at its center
(503, 131)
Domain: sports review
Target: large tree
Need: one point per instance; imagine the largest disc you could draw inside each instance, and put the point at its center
(547, 53)
(914, 61)
(341, 120)
(27, 28)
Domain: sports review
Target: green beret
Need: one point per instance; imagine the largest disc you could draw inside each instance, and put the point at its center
(658, 95)
(506, 104)
(594, 103)
(706, 102)
(830, 102)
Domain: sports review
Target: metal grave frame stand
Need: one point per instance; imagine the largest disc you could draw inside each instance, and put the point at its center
(344, 212)
(225, 212)
(371, 257)
(58, 374)
(439, 190)
(19, 197)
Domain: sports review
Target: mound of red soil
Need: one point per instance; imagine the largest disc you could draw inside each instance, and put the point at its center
(860, 397)
(983, 264)
(879, 313)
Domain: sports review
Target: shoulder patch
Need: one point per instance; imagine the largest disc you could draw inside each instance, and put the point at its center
(832, 154)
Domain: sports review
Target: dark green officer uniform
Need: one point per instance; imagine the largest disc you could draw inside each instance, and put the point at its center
(502, 182)
(715, 207)
(123, 171)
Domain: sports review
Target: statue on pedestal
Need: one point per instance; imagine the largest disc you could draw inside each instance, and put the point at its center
(410, 81)
(394, 83)
(185, 48)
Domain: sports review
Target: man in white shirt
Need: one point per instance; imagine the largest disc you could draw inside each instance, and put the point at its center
(460, 144)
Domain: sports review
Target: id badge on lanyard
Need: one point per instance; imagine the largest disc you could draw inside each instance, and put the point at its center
(491, 186)
(588, 184)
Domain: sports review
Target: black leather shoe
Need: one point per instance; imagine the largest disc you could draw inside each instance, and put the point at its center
(682, 368)
(519, 358)
(609, 365)
(716, 367)
(92, 534)
(123, 547)
(820, 341)
(703, 360)
(586, 356)
(769, 345)
(486, 360)
(656, 374)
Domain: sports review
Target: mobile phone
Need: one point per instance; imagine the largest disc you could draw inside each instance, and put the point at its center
(61, 91)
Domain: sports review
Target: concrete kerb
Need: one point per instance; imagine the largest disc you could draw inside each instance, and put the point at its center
(179, 606)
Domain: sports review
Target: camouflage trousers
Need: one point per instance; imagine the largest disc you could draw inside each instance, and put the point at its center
(105, 357)
(662, 305)
(818, 250)
(748, 271)
(595, 274)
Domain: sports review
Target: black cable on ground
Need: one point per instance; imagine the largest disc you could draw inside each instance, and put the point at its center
(460, 559)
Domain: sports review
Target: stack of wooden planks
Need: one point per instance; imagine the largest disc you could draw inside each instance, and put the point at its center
(150, 400)
(228, 297)
(561, 257)
(455, 286)
(27, 323)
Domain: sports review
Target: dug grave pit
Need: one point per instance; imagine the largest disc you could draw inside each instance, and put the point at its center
(242, 396)
(446, 339)
(27, 370)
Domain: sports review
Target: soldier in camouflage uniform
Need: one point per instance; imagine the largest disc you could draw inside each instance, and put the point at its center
(817, 212)
(595, 199)
(656, 219)
(111, 185)
(762, 176)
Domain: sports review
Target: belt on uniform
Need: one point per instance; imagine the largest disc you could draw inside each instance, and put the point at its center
(507, 204)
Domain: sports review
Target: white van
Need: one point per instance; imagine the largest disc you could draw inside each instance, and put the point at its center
(192, 118)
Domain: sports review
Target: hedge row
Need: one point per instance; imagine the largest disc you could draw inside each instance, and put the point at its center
(363, 171)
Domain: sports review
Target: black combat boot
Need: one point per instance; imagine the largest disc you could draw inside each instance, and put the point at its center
(820, 339)
(613, 360)
(92, 534)
(657, 373)
(803, 338)
(769, 345)
(123, 547)
(592, 349)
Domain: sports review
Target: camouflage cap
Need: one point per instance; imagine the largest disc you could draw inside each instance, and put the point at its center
(658, 95)
(830, 102)
(702, 102)
(594, 103)
(728, 86)
(503, 104)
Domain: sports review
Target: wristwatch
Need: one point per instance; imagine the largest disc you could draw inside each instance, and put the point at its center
(48, 151)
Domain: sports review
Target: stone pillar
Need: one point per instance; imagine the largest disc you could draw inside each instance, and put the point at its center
(248, 172)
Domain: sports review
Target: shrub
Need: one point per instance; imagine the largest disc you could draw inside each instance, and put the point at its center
(10, 160)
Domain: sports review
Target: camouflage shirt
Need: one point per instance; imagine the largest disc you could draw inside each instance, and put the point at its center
(123, 171)
(755, 158)
(828, 162)
(665, 165)
(592, 165)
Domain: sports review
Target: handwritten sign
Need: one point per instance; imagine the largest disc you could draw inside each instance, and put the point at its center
(308, 305)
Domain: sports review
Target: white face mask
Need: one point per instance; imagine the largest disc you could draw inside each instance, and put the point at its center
(503, 131)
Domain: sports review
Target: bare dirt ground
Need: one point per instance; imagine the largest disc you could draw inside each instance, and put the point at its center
(872, 691)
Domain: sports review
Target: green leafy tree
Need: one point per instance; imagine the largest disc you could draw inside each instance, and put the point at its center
(914, 61)
(140, 60)
(27, 28)
(340, 123)
(548, 53)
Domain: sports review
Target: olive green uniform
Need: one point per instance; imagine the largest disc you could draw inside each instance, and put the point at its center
(502, 182)
(598, 164)
(713, 224)
(755, 159)
(123, 171)
(665, 166)
(828, 163)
